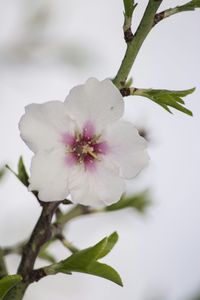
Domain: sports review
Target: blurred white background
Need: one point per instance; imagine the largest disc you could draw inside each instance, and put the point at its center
(47, 47)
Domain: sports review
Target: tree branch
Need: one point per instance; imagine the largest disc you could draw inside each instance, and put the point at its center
(191, 5)
(41, 233)
(75, 212)
(135, 44)
(55, 229)
(129, 6)
(40, 273)
(165, 98)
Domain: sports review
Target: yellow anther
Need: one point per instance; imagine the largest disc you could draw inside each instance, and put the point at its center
(89, 150)
(93, 154)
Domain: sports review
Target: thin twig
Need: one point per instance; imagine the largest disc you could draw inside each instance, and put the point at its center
(135, 44)
(67, 244)
(41, 233)
(172, 11)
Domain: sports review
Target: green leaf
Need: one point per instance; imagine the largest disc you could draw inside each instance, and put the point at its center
(82, 259)
(85, 261)
(2, 172)
(111, 241)
(22, 174)
(166, 98)
(139, 202)
(104, 271)
(7, 283)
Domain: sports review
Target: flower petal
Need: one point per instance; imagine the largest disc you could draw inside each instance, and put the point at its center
(42, 125)
(49, 175)
(97, 102)
(127, 148)
(99, 187)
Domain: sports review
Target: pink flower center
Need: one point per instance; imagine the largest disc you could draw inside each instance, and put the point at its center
(84, 148)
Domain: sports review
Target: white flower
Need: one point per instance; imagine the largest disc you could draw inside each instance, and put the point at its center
(81, 147)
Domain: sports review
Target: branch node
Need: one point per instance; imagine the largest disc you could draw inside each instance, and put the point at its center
(158, 17)
(36, 275)
(125, 92)
(128, 35)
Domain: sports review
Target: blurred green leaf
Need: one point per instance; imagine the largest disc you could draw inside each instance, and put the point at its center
(7, 283)
(2, 172)
(166, 98)
(9, 168)
(195, 298)
(139, 202)
(22, 174)
(45, 254)
(3, 269)
(85, 261)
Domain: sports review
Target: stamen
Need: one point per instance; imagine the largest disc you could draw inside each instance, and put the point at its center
(89, 150)
(85, 149)
(92, 154)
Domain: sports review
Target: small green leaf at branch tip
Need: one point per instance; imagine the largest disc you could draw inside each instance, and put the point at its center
(167, 98)
(139, 202)
(7, 283)
(22, 174)
(129, 6)
(191, 5)
(86, 261)
(110, 243)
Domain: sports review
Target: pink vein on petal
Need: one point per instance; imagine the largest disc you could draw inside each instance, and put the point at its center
(101, 148)
(70, 159)
(90, 164)
(68, 139)
(88, 130)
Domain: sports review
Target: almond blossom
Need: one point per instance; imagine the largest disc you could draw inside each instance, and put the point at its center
(81, 147)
